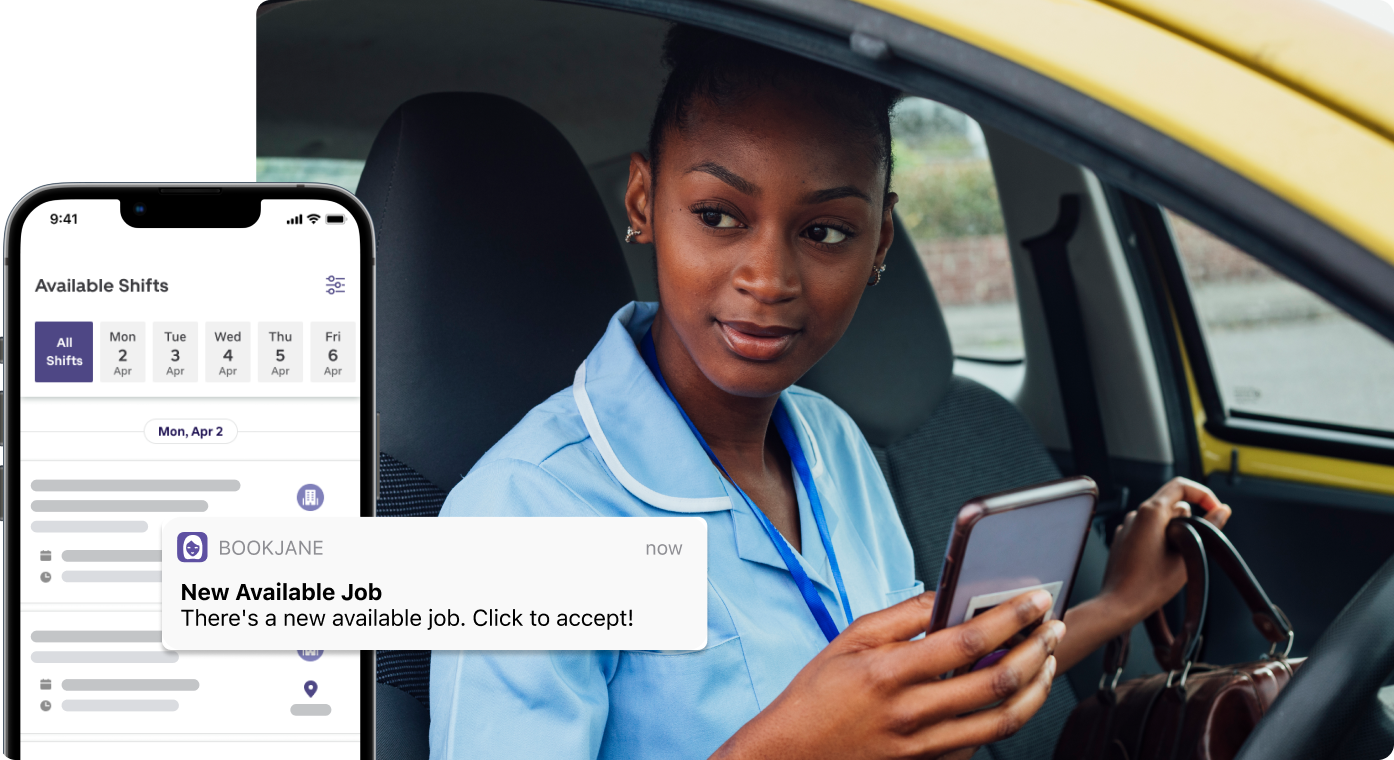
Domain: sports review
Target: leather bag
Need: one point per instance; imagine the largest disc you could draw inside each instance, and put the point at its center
(1192, 711)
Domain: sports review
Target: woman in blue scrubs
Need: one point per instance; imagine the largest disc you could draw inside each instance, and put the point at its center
(766, 195)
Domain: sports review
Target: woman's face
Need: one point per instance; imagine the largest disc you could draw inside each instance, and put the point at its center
(768, 220)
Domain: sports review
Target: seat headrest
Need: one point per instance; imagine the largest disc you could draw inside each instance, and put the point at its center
(893, 365)
(497, 271)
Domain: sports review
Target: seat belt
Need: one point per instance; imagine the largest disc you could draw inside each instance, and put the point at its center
(1074, 372)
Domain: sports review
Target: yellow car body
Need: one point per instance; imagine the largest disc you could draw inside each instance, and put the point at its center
(1294, 96)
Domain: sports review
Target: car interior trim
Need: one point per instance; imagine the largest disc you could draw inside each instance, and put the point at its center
(1127, 211)
(1300, 428)
(1313, 424)
(1029, 181)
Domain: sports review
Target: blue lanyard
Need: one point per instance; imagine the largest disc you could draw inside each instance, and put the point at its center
(786, 552)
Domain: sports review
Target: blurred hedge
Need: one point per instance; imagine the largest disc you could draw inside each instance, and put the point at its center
(946, 198)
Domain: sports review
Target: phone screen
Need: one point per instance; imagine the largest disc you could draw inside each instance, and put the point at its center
(1012, 543)
(162, 372)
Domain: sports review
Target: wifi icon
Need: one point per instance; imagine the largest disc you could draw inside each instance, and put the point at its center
(313, 218)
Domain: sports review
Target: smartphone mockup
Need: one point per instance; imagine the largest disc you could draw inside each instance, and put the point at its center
(176, 350)
(1011, 543)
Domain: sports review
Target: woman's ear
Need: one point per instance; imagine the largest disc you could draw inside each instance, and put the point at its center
(638, 198)
(887, 225)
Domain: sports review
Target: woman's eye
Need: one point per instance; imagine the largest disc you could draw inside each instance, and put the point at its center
(819, 233)
(716, 219)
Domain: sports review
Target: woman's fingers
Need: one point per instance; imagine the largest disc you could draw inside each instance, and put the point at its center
(1193, 493)
(1219, 515)
(934, 701)
(986, 726)
(942, 651)
(900, 622)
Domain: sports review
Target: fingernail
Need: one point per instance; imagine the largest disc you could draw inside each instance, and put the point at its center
(1040, 599)
(1050, 666)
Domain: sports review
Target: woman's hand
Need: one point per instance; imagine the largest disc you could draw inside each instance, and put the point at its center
(1142, 572)
(874, 693)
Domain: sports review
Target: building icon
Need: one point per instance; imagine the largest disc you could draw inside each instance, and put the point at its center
(310, 497)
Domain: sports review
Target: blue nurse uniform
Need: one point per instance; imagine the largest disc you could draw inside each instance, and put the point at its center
(614, 444)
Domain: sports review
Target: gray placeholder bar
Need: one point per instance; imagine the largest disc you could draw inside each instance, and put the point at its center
(111, 576)
(89, 526)
(309, 709)
(136, 485)
(120, 705)
(88, 637)
(130, 684)
(119, 505)
(163, 656)
(111, 555)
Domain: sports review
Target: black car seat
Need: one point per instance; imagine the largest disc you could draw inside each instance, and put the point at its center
(940, 438)
(497, 271)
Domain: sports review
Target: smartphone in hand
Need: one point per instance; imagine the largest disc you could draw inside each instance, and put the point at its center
(1011, 543)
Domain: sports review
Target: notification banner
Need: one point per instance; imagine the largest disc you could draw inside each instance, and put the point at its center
(283, 583)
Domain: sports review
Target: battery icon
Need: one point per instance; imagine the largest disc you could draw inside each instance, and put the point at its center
(334, 219)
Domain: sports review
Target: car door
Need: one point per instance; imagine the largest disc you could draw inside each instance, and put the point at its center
(1288, 415)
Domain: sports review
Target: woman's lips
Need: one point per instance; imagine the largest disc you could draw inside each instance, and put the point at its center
(757, 342)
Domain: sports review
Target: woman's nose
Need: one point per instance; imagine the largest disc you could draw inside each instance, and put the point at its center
(768, 270)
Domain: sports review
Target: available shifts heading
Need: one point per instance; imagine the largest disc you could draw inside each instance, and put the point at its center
(147, 285)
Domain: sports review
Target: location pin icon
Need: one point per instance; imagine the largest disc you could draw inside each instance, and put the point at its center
(311, 687)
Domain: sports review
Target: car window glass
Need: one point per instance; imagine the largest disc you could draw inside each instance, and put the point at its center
(948, 203)
(343, 172)
(1277, 349)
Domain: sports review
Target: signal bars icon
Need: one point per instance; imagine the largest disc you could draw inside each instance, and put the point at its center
(300, 218)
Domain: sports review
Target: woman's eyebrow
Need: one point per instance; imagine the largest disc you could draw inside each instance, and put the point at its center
(834, 193)
(727, 176)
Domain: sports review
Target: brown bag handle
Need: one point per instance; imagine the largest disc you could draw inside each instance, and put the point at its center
(1176, 652)
(1196, 539)
(1205, 540)
(1268, 619)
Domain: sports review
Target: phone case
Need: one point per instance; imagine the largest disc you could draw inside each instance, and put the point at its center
(975, 510)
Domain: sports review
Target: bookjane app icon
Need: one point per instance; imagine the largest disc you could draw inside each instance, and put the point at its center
(192, 546)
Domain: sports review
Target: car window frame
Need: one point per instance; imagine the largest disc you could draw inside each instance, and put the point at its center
(1234, 425)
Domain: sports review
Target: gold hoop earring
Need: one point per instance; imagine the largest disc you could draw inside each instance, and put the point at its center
(874, 281)
(630, 234)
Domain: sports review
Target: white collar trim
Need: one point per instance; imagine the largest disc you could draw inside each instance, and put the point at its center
(640, 491)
